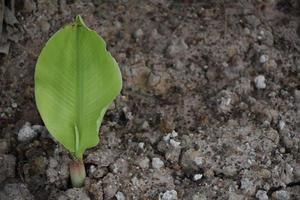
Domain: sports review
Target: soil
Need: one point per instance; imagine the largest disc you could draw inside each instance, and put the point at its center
(210, 106)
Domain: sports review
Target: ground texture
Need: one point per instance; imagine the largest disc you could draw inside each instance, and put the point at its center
(210, 107)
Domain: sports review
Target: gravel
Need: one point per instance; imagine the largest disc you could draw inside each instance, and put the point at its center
(168, 195)
(157, 163)
(281, 195)
(197, 177)
(26, 133)
(230, 92)
(144, 163)
(261, 195)
(120, 196)
(260, 82)
(263, 58)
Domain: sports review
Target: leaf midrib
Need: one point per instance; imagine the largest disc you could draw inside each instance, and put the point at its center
(79, 93)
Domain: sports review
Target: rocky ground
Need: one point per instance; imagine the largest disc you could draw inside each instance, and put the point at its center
(210, 107)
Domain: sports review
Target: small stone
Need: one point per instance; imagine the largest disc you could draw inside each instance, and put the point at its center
(138, 33)
(120, 166)
(230, 170)
(172, 155)
(263, 58)
(281, 195)
(120, 196)
(157, 163)
(260, 82)
(100, 172)
(281, 125)
(199, 161)
(261, 195)
(247, 186)
(166, 138)
(197, 177)
(153, 79)
(174, 143)
(145, 125)
(168, 195)
(177, 47)
(144, 164)
(174, 134)
(191, 160)
(92, 169)
(26, 133)
(247, 31)
(14, 105)
(141, 145)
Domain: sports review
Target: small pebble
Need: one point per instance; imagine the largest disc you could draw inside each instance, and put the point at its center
(198, 160)
(174, 143)
(26, 133)
(138, 33)
(141, 145)
(92, 169)
(197, 177)
(281, 125)
(120, 196)
(281, 195)
(144, 164)
(168, 195)
(261, 195)
(263, 59)
(260, 82)
(174, 134)
(166, 138)
(157, 163)
(247, 31)
(14, 105)
(145, 125)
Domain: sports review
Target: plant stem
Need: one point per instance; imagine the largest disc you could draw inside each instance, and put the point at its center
(77, 173)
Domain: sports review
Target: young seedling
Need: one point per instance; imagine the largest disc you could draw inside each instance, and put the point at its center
(76, 79)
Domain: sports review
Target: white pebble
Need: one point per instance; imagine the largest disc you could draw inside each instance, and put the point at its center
(197, 177)
(281, 125)
(26, 133)
(174, 143)
(120, 196)
(14, 105)
(92, 169)
(199, 161)
(167, 137)
(263, 58)
(261, 195)
(174, 134)
(145, 125)
(260, 82)
(168, 195)
(141, 145)
(157, 163)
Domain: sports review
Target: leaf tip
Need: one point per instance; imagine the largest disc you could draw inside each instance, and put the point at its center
(79, 21)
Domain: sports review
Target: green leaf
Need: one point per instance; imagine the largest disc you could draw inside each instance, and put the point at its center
(76, 79)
